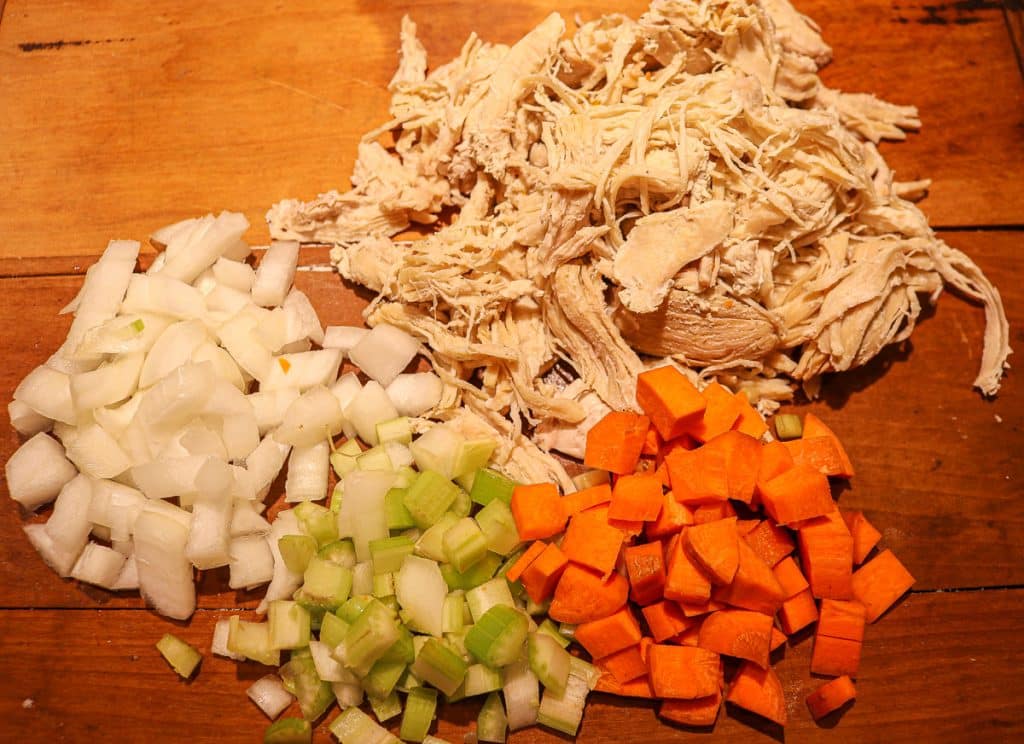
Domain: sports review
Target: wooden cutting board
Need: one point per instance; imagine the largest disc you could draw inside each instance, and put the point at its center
(119, 117)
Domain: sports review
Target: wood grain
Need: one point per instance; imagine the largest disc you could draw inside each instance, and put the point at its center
(115, 121)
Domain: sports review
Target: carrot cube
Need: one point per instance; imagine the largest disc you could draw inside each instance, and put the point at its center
(798, 612)
(582, 595)
(637, 688)
(831, 696)
(538, 511)
(669, 399)
(541, 577)
(754, 586)
(614, 443)
(778, 638)
(672, 518)
(879, 583)
(723, 410)
(771, 542)
(713, 512)
(515, 571)
(636, 497)
(815, 427)
(625, 665)
(826, 554)
(865, 536)
(714, 546)
(842, 619)
(739, 633)
(665, 620)
(775, 460)
(645, 566)
(790, 577)
(818, 453)
(699, 712)
(835, 656)
(686, 581)
(574, 503)
(685, 672)
(759, 691)
(797, 494)
(750, 421)
(609, 634)
(696, 609)
(591, 541)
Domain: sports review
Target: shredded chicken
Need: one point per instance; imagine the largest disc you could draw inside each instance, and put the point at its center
(677, 187)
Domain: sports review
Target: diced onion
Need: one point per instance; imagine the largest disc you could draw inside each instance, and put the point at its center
(275, 273)
(270, 696)
(37, 471)
(384, 352)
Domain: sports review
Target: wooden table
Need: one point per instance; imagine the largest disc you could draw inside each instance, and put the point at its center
(118, 117)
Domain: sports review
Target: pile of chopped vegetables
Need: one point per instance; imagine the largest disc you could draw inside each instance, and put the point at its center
(678, 186)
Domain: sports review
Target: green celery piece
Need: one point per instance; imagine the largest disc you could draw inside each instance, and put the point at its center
(533, 608)
(437, 664)
(317, 521)
(482, 598)
(549, 628)
(384, 585)
(369, 637)
(289, 624)
(343, 464)
(429, 497)
(355, 727)
(398, 516)
(491, 723)
(396, 430)
(409, 682)
(403, 649)
(462, 505)
(481, 679)
(490, 485)
(498, 527)
(296, 550)
(405, 477)
(354, 607)
(567, 630)
(788, 426)
(252, 640)
(420, 707)
(388, 553)
(453, 611)
(315, 609)
(138, 325)
(380, 681)
(435, 740)
(300, 678)
(497, 638)
(472, 455)
(342, 552)
(337, 494)
(464, 544)
(457, 642)
(350, 447)
(431, 542)
(289, 731)
(479, 573)
(386, 708)
(332, 630)
(515, 587)
(326, 585)
(549, 661)
(375, 459)
(182, 657)
(564, 712)
(390, 601)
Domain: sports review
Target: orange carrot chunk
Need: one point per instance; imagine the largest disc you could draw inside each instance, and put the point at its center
(750, 421)
(699, 712)
(799, 493)
(745, 455)
(542, 575)
(689, 637)
(636, 498)
(609, 634)
(531, 554)
(879, 583)
(582, 595)
(778, 638)
(652, 442)
(696, 609)
(645, 566)
(797, 612)
(672, 518)
(614, 443)
(670, 400)
(713, 512)
(826, 554)
(831, 696)
(686, 581)
(538, 511)
(842, 619)
(865, 536)
(723, 410)
(817, 453)
(815, 427)
(592, 542)
(739, 633)
(684, 672)
(790, 577)
(743, 526)
(574, 503)
(759, 691)
(638, 688)
(665, 620)
(754, 586)
(625, 665)
(771, 542)
(775, 460)
(714, 546)
(835, 656)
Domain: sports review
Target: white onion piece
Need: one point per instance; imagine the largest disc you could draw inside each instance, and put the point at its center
(205, 282)
(285, 582)
(163, 296)
(189, 254)
(37, 471)
(421, 591)
(122, 335)
(345, 390)
(98, 565)
(343, 338)
(328, 668)
(219, 642)
(384, 352)
(251, 562)
(301, 310)
(275, 273)
(307, 473)
(265, 462)
(399, 455)
(177, 398)
(362, 578)
(313, 417)
(238, 251)
(165, 574)
(270, 696)
(25, 420)
(200, 439)
(303, 370)
(60, 560)
(108, 384)
(363, 504)
(101, 294)
(437, 448)
(522, 695)
(96, 453)
(239, 337)
(164, 235)
(116, 419)
(165, 479)
(113, 510)
(128, 579)
(368, 408)
(234, 274)
(69, 525)
(240, 434)
(173, 349)
(245, 520)
(47, 392)
(209, 535)
(270, 406)
(348, 696)
(415, 394)
(223, 303)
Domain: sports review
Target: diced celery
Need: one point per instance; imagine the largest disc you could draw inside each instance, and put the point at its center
(395, 430)
(477, 574)
(182, 657)
(341, 552)
(457, 642)
(472, 455)
(497, 638)
(375, 458)
(499, 527)
(383, 585)
(438, 665)
(487, 595)
(388, 553)
(436, 449)
(317, 521)
(549, 661)
(564, 712)
(252, 640)
(567, 630)
(462, 505)
(515, 587)
(332, 630)
(429, 497)
(350, 447)
(405, 476)
(398, 516)
(481, 679)
(380, 681)
(386, 708)
(420, 707)
(289, 624)
(370, 635)
(325, 584)
(489, 485)
(362, 578)
(334, 504)
(343, 463)
(549, 628)
(491, 723)
(590, 478)
(788, 426)
(464, 544)
(431, 542)
(355, 727)
(403, 649)
(409, 681)
(391, 602)
(314, 608)
(354, 606)
(453, 608)
(296, 550)
(533, 608)
(300, 678)
(347, 694)
(435, 740)
(289, 731)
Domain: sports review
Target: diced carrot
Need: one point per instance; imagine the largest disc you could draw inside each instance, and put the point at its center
(826, 554)
(538, 511)
(817, 453)
(865, 536)
(697, 476)
(636, 498)
(542, 575)
(790, 577)
(714, 546)
(723, 410)
(517, 568)
(778, 638)
(759, 691)
(798, 494)
(652, 442)
(750, 421)
(609, 634)
(627, 527)
(815, 427)
(797, 612)
(684, 672)
(835, 656)
(713, 512)
(645, 566)
(754, 586)
(625, 665)
(686, 581)
(662, 472)
(775, 460)
(739, 633)
(673, 517)
(689, 637)
(880, 582)
(771, 542)
(842, 619)
(614, 443)
(743, 526)
(745, 454)
(696, 609)
(645, 645)
(591, 541)
(665, 620)
(700, 712)
(638, 688)
(574, 503)
(582, 595)
(669, 399)
(831, 696)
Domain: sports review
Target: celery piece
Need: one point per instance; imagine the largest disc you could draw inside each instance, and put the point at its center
(515, 587)
(289, 731)
(347, 694)
(437, 664)
(387, 707)
(431, 542)
(457, 642)
(405, 476)
(482, 598)
(252, 640)
(383, 585)
(314, 608)
(420, 707)
(489, 485)
(332, 630)
(355, 727)
(343, 464)
(388, 553)
(300, 679)
(491, 723)
(354, 606)
(497, 638)
(481, 679)
(289, 624)
(453, 607)
(182, 657)
(435, 740)
(429, 497)
(296, 550)
(436, 449)
(477, 574)
(462, 505)
(375, 458)
(408, 682)
(395, 430)
(548, 627)
(391, 602)
(590, 478)
(397, 515)
(350, 447)
(403, 649)
(567, 631)
(534, 608)
(499, 527)
(565, 711)
(465, 481)
(380, 681)
(788, 426)
(317, 521)
(325, 584)
(549, 661)
(370, 635)
(334, 504)
(472, 455)
(362, 578)
(464, 544)
(342, 552)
